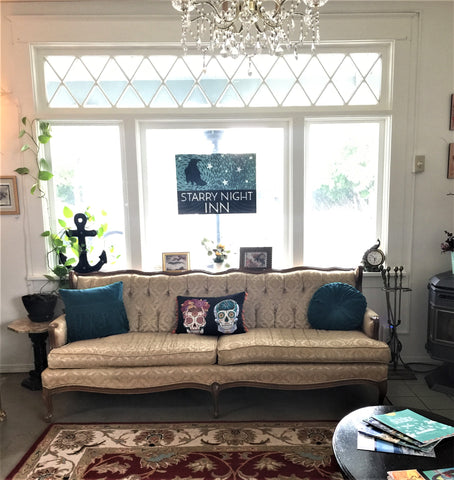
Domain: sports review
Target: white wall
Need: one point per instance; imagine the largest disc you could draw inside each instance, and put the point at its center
(430, 210)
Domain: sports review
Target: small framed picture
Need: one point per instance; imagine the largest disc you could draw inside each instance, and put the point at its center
(255, 258)
(451, 121)
(451, 161)
(9, 200)
(173, 262)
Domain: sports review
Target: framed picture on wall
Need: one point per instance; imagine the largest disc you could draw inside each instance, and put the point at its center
(174, 262)
(255, 258)
(451, 121)
(9, 200)
(451, 161)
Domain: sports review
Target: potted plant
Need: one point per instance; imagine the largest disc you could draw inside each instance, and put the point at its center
(217, 251)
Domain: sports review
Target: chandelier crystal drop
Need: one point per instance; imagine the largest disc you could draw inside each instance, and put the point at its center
(249, 27)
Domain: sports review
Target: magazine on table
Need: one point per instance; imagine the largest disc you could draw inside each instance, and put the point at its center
(415, 426)
(440, 474)
(372, 444)
(405, 475)
(371, 431)
(399, 435)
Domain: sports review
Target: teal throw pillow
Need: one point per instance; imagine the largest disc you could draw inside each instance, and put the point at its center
(337, 306)
(95, 312)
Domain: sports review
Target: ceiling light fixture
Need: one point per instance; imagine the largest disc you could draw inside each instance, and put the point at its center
(249, 27)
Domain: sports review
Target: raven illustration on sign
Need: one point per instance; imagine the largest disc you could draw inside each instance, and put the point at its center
(192, 173)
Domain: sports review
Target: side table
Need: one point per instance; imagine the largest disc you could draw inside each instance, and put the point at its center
(362, 464)
(37, 331)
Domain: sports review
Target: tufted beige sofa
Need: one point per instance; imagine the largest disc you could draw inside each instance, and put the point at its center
(280, 349)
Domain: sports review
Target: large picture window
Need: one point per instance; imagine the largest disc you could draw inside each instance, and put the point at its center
(317, 127)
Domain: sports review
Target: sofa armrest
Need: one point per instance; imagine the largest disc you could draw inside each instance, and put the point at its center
(58, 332)
(371, 323)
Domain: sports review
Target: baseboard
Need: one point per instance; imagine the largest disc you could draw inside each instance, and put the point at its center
(16, 368)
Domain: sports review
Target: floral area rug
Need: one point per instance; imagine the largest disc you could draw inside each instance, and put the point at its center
(182, 451)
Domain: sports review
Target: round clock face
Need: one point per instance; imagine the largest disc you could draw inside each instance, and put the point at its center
(375, 257)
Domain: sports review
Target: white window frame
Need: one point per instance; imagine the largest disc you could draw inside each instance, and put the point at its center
(39, 52)
(400, 29)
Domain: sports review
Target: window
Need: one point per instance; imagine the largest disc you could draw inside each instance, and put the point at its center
(343, 184)
(167, 231)
(320, 147)
(86, 162)
(347, 76)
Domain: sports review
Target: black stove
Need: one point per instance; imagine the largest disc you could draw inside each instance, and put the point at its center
(440, 331)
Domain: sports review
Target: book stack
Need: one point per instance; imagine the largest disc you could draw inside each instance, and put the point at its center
(404, 432)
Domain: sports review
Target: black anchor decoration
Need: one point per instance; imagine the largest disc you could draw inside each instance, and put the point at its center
(83, 266)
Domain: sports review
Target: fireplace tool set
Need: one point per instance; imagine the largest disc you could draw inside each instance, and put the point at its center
(393, 290)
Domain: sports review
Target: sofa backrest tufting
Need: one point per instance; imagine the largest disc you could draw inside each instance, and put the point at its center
(275, 298)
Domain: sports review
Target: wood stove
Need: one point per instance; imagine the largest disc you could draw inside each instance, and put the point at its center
(440, 331)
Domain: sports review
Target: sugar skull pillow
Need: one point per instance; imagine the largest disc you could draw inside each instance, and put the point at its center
(211, 315)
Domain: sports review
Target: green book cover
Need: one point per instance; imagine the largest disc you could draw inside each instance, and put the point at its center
(440, 474)
(416, 426)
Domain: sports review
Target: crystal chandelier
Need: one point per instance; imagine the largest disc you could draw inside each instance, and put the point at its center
(249, 27)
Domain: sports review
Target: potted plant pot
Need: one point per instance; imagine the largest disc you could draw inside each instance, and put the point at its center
(40, 306)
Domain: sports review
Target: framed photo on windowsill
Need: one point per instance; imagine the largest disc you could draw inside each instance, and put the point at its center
(255, 258)
(175, 262)
(9, 200)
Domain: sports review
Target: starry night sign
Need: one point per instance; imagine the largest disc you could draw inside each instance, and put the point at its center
(216, 184)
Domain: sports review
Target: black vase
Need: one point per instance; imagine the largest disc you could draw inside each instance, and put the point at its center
(40, 306)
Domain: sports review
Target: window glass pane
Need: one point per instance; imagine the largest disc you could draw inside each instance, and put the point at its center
(86, 162)
(167, 231)
(171, 81)
(340, 198)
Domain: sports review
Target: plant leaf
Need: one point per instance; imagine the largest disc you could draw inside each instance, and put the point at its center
(67, 212)
(44, 139)
(21, 133)
(44, 175)
(24, 148)
(33, 189)
(22, 170)
(44, 164)
(24, 120)
(46, 233)
(62, 223)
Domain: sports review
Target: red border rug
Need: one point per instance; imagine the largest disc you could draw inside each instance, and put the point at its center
(182, 451)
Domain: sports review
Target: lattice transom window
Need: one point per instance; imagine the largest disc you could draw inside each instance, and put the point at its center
(171, 81)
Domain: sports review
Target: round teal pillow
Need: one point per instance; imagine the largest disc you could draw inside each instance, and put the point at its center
(337, 306)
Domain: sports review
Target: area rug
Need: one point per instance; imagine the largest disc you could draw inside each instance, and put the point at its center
(182, 451)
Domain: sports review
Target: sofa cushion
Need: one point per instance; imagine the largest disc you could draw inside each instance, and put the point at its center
(95, 312)
(135, 349)
(290, 345)
(211, 315)
(337, 306)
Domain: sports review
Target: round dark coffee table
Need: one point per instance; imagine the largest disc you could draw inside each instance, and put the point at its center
(365, 465)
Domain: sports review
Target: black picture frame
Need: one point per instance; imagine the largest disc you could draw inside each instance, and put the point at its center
(256, 258)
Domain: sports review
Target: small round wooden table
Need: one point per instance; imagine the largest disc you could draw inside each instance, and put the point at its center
(365, 465)
(37, 331)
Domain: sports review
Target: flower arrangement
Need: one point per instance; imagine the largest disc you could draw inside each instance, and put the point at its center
(448, 245)
(218, 251)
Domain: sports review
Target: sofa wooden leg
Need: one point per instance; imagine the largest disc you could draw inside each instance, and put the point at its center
(47, 397)
(382, 390)
(215, 389)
